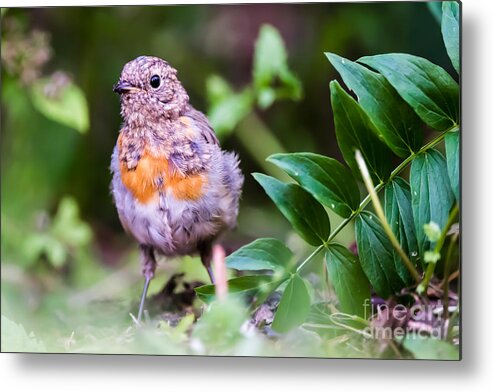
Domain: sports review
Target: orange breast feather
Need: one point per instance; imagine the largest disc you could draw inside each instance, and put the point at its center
(152, 175)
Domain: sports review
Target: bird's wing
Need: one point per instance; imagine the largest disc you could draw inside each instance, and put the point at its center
(202, 123)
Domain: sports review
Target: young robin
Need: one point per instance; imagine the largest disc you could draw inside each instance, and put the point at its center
(174, 188)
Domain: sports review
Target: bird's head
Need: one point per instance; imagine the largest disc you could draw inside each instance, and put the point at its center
(150, 91)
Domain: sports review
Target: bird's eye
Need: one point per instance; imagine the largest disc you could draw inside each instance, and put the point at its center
(155, 81)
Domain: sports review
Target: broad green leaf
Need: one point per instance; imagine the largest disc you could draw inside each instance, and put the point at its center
(261, 254)
(294, 306)
(450, 31)
(399, 215)
(430, 348)
(271, 75)
(431, 194)
(68, 106)
(305, 214)
(428, 88)
(376, 256)
(248, 285)
(395, 121)
(452, 141)
(16, 339)
(325, 178)
(349, 281)
(354, 130)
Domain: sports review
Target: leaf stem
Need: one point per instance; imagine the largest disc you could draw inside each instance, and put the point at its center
(377, 189)
(430, 269)
(365, 174)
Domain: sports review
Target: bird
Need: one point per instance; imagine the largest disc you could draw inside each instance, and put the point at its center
(175, 190)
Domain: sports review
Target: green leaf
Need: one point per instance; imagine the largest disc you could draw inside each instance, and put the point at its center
(227, 108)
(68, 106)
(261, 254)
(376, 256)
(16, 339)
(305, 214)
(450, 31)
(67, 225)
(349, 281)
(399, 214)
(325, 178)
(219, 328)
(428, 88)
(248, 285)
(354, 130)
(431, 194)
(452, 141)
(217, 89)
(395, 121)
(430, 348)
(270, 56)
(270, 69)
(294, 306)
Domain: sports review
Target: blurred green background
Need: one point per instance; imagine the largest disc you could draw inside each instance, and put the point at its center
(63, 249)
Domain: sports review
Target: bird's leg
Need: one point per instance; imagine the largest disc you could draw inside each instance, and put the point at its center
(205, 250)
(148, 262)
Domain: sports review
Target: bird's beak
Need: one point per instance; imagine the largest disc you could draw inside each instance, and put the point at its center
(124, 87)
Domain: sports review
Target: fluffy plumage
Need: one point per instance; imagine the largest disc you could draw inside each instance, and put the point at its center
(174, 188)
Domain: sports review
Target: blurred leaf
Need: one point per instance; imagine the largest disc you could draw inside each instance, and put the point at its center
(68, 106)
(270, 56)
(219, 329)
(450, 31)
(399, 215)
(431, 194)
(68, 226)
(266, 97)
(261, 254)
(354, 130)
(396, 123)
(435, 8)
(218, 89)
(242, 286)
(432, 231)
(452, 141)
(376, 256)
(428, 88)
(430, 348)
(325, 178)
(66, 233)
(227, 108)
(16, 339)
(305, 214)
(294, 306)
(349, 281)
(270, 66)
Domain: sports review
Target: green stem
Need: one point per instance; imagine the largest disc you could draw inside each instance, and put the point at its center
(430, 269)
(365, 174)
(377, 188)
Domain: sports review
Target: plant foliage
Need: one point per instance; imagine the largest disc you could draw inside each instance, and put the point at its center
(398, 96)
